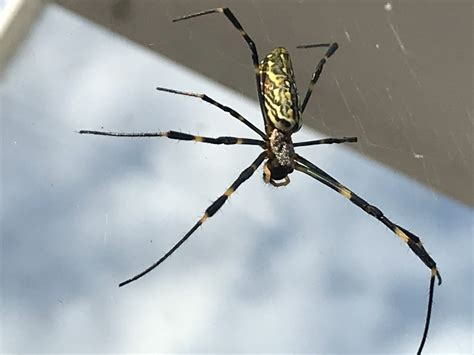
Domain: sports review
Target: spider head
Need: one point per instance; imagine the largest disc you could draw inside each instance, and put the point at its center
(276, 174)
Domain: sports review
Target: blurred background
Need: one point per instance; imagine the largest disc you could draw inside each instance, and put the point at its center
(295, 269)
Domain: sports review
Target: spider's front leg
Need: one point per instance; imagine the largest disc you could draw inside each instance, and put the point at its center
(210, 211)
(226, 140)
(413, 242)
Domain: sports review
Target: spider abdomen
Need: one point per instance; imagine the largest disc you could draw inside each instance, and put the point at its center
(279, 91)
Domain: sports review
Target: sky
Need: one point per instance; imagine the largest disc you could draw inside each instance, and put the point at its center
(294, 269)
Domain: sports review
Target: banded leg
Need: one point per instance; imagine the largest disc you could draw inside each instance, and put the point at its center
(414, 243)
(253, 49)
(326, 141)
(227, 109)
(182, 137)
(210, 211)
(332, 47)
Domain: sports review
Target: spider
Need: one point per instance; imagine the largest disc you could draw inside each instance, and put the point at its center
(282, 115)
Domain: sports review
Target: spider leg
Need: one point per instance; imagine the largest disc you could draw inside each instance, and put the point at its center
(210, 211)
(414, 243)
(182, 137)
(409, 238)
(326, 141)
(332, 47)
(227, 109)
(230, 16)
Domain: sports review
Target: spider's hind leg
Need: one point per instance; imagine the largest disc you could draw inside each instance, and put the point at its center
(332, 47)
(327, 141)
(251, 44)
(213, 102)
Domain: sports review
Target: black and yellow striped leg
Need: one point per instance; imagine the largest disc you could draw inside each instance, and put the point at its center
(182, 137)
(230, 16)
(227, 109)
(226, 140)
(210, 211)
(326, 141)
(414, 243)
(332, 47)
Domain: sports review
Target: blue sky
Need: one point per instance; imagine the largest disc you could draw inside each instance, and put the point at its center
(295, 269)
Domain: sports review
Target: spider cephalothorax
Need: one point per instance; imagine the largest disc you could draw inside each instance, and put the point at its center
(281, 159)
(282, 116)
